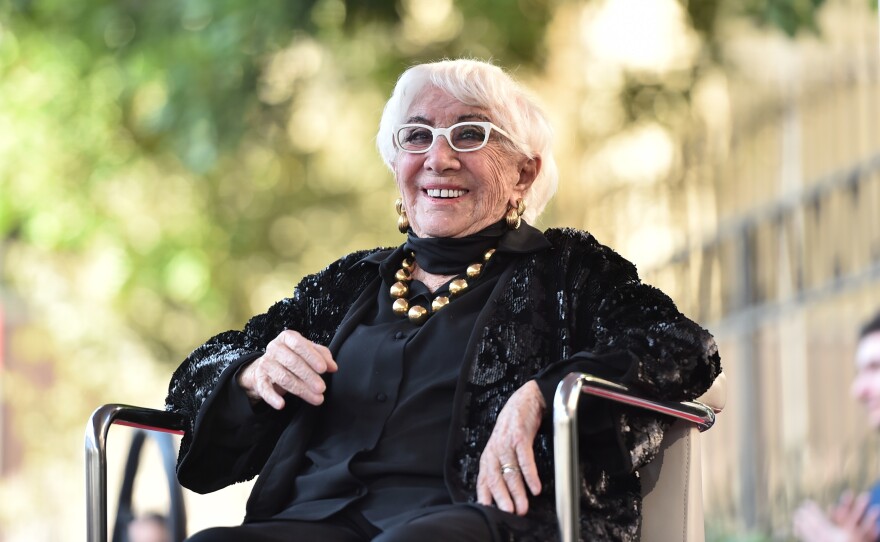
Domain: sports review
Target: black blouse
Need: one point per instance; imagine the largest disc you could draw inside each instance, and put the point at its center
(382, 433)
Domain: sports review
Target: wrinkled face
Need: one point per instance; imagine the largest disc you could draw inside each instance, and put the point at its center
(453, 194)
(866, 386)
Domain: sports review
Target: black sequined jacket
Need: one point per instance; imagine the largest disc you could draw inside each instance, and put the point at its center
(575, 306)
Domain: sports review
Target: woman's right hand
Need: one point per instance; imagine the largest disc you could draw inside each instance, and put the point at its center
(291, 364)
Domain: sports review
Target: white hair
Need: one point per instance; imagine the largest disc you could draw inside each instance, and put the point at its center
(480, 84)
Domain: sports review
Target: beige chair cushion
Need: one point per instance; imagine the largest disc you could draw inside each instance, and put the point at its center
(672, 507)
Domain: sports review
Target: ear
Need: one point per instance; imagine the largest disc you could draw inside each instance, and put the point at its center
(528, 172)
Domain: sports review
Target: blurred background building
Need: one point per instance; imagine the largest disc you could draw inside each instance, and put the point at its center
(781, 259)
(169, 169)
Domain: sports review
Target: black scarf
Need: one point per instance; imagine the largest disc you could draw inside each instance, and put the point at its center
(451, 255)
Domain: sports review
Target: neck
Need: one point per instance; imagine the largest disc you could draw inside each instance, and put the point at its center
(432, 281)
(444, 256)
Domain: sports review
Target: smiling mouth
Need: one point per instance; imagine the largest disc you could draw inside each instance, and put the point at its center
(444, 193)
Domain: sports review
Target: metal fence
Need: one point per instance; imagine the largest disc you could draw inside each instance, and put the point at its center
(790, 271)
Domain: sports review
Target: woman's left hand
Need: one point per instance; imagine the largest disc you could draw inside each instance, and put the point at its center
(507, 465)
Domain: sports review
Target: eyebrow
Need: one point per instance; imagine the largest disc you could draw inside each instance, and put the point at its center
(418, 119)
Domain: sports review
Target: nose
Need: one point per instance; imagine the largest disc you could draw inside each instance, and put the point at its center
(441, 156)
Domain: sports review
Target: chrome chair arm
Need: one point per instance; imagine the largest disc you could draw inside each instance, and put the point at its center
(565, 436)
(96, 454)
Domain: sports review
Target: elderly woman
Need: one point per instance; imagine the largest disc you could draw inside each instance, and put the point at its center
(402, 394)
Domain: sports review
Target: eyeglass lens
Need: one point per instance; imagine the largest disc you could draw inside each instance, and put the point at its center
(462, 137)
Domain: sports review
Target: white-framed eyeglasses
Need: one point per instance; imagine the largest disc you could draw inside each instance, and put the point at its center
(462, 137)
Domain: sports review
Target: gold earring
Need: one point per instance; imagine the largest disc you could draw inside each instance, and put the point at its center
(514, 214)
(402, 220)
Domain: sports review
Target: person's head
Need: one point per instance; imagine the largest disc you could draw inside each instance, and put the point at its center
(149, 528)
(866, 385)
(480, 185)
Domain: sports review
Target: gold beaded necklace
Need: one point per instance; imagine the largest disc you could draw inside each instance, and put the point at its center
(417, 314)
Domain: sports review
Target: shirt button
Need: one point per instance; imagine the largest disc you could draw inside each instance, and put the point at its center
(360, 491)
(381, 397)
(399, 335)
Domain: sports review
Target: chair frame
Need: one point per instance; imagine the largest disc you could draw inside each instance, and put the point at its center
(97, 430)
(565, 441)
(565, 435)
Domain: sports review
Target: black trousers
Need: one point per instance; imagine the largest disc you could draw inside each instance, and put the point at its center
(451, 523)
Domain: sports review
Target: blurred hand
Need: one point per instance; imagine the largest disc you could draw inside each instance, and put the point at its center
(849, 521)
(853, 515)
(291, 364)
(510, 445)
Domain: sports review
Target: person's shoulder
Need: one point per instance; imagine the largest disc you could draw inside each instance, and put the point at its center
(348, 267)
(362, 256)
(577, 245)
(574, 239)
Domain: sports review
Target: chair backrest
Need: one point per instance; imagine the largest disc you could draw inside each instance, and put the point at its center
(672, 493)
(672, 489)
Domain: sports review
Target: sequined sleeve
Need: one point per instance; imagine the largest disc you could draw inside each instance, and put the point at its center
(629, 332)
(311, 310)
(671, 356)
(657, 350)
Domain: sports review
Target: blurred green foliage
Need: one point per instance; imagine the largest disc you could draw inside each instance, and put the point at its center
(182, 163)
(170, 168)
(790, 16)
(161, 131)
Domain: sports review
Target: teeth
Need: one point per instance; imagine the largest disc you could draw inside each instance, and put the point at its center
(444, 193)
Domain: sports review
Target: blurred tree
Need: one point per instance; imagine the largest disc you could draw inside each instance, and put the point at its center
(790, 16)
(168, 169)
(180, 132)
(190, 149)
